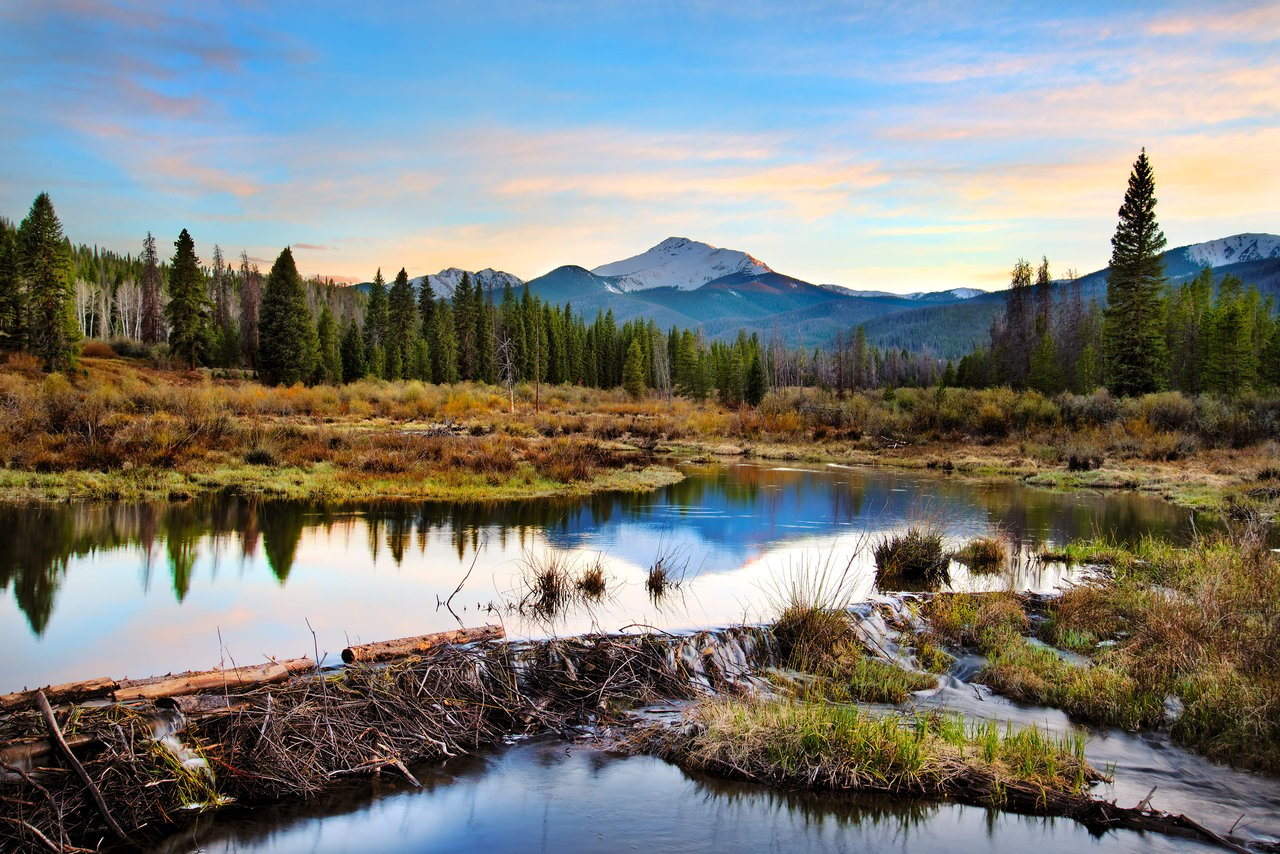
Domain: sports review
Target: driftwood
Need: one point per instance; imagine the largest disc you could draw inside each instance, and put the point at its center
(384, 650)
(235, 679)
(70, 692)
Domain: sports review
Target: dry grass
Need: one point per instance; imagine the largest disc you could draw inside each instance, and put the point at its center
(983, 554)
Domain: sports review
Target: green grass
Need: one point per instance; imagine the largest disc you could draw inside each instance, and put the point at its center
(982, 554)
(1200, 623)
(319, 481)
(857, 678)
(826, 746)
(916, 555)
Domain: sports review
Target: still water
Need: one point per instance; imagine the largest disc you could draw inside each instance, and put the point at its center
(132, 590)
(543, 797)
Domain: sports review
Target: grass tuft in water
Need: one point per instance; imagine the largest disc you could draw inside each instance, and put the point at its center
(915, 556)
(983, 554)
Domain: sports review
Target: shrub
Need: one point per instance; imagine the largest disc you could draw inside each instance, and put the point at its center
(97, 350)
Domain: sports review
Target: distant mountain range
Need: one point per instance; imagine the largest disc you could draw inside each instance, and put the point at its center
(682, 282)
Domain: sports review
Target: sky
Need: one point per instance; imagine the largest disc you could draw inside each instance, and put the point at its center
(902, 147)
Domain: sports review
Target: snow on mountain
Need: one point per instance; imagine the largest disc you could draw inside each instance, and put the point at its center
(444, 282)
(1234, 249)
(680, 263)
(919, 296)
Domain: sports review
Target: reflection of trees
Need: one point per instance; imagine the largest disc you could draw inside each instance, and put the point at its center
(183, 526)
(282, 524)
(729, 506)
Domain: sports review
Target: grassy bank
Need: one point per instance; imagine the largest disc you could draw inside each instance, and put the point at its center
(807, 744)
(1200, 624)
(122, 427)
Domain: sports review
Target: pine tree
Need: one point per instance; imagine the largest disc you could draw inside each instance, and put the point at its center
(46, 265)
(1133, 332)
(152, 309)
(444, 345)
(329, 365)
(486, 345)
(633, 371)
(402, 327)
(464, 327)
(188, 308)
(375, 326)
(426, 306)
(353, 364)
(755, 384)
(287, 345)
(13, 307)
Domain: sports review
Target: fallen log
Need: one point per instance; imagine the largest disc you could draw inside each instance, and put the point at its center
(383, 650)
(68, 692)
(233, 679)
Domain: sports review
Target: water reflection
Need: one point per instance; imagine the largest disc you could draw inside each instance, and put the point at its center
(82, 575)
(541, 797)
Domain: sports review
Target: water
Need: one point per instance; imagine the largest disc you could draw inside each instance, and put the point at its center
(544, 796)
(135, 590)
(141, 589)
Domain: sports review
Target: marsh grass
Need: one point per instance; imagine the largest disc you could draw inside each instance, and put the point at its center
(593, 581)
(669, 570)
(1201, 623)
(849, 675)
(829, 746)
(915, 556)
(810, 603)
(983, 554)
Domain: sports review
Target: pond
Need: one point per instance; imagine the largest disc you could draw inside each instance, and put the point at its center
(541, 796)
(132, 590)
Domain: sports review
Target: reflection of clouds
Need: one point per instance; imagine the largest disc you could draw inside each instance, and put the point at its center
(739, 527)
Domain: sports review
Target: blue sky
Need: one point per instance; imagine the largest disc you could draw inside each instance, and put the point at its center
(901, 147)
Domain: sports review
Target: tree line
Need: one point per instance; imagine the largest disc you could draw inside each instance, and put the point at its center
(1150, 336)
(290, 330)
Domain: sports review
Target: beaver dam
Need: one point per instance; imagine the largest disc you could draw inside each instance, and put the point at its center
(120, 765)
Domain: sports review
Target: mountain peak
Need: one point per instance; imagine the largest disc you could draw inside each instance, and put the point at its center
(1234, 249)
(680, 263)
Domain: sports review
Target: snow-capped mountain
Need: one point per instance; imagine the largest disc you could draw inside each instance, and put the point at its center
(679, 262)
(1234, 249)
(919, 296)
(444, 282)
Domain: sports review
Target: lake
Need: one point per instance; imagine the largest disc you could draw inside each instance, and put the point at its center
(141, 589)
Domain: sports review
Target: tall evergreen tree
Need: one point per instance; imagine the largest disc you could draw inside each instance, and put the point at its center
(444, 345)
(329, 363)
(755, 385)
(375, 326)
(353, 365)
(426, 306)
(464, 327)
(633, 372)
(188, 308)
(13, 301)
(1133, 331)
(402, 327)
(486, 343)
(46, 265)
(287, 345)
(153, 331)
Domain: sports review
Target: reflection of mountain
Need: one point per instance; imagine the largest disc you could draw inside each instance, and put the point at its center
(719, 518)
